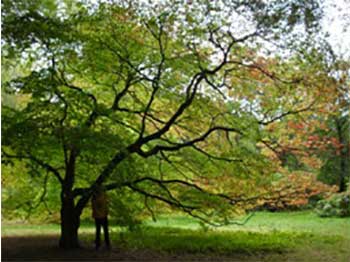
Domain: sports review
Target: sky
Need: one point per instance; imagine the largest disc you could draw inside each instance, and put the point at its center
(337, 23)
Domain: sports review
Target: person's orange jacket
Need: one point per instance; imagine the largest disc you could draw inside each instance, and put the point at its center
(99, 205)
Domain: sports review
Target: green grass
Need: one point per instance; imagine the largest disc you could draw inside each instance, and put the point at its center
(305, 222)
(304, 235)
(20, 229)
(298, 222)
(292, 236)
(175, 240)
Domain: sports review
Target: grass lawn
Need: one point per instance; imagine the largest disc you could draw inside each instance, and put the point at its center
(290, 236)
(302, 221)
(303, 235)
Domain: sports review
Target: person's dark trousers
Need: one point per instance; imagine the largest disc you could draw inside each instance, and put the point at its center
(104, 223)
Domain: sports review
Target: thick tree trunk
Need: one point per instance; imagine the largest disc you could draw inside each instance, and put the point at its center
(70, 222)
(70, 218)
(70, 213)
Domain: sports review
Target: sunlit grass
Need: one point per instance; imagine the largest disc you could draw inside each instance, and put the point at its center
(305, 221)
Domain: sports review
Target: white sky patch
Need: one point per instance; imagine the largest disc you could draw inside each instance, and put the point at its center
(337, 24)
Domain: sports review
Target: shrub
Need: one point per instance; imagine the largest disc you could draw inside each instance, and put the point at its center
(337, 205)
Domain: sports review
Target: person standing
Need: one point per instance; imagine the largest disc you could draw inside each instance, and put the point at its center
(99, 203)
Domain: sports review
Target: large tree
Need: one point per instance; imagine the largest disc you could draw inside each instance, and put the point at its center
(133, 84)
(334, 140)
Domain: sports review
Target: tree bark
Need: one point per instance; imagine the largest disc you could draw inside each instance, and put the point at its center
(342, 178)
(343, 155)
(70, 218)
(70, 222)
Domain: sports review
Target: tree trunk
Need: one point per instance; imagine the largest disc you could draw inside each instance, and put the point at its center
(70, 222)
(343, 173)
(344, 155)
(70, 218)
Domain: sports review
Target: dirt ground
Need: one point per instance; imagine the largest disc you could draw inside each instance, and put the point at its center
(45, 248)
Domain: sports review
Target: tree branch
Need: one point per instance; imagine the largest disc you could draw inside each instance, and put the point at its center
(178, 146)
(41, 163)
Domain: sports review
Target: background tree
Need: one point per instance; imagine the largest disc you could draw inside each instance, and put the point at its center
(336, 137)
(111, 85)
